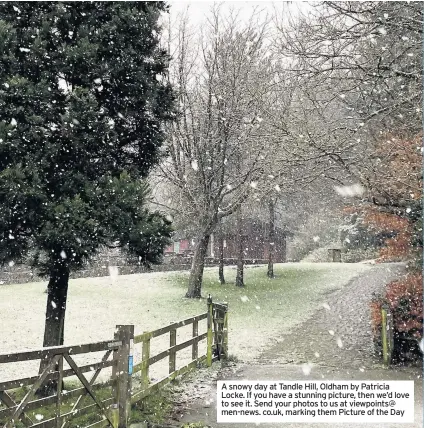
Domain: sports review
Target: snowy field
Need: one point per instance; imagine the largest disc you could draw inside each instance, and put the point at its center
(258, 314)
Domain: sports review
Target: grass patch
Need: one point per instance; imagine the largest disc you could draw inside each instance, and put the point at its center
(266, 307)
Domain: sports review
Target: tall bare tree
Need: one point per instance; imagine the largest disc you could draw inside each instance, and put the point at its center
(217, 148)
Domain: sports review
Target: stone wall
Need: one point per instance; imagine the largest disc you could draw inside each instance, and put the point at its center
(108, 261)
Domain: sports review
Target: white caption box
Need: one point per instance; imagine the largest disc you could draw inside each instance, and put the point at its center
(315, 401)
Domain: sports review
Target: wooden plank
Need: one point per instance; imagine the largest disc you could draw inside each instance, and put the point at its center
(91, 383)
(167, 352)
(36, 404)
(49, 352)
(139, 395)
(11, 384)
(84, 381)
(144, 367)
(31, 392)
(59, 391)
(51, 423)
(209, 333)
(195, 349)
(155, 333)
(7, 399)
(126, 335)
(172, 354)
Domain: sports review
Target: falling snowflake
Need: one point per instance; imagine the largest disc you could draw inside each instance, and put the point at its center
(257, 307)
(339, 342)
(54, 306)
(194, 165)
(315, 238)
(331, 332)
(39, 417)
(326, 306)
(13, 122)
(354, 190)
(306, 368)
(253, 184)
(98, 81)
(11, 263)
(63, 254)
(244, 299)
(316, 354)
(277, 188)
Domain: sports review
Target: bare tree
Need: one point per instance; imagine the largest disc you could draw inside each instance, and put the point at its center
(217, 148)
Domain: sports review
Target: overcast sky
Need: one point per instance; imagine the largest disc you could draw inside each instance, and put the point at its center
(198, 9)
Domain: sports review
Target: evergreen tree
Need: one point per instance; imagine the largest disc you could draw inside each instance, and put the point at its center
(83, 100)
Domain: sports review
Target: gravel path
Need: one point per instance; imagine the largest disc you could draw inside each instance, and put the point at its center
(339, 334)
(334, 343)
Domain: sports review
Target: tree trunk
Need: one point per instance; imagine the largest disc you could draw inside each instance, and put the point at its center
(57, 292)
(271, 239)
(196, 273)
(221, 255)
(240, 252)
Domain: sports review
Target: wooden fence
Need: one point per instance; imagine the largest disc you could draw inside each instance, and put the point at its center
(108, 403)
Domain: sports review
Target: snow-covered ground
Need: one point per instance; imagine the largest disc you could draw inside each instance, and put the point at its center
(257, 316)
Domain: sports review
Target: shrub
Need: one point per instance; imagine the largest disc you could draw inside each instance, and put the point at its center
(405, 300)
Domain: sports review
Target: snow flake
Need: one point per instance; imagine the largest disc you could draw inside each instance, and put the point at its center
(244, 299)
(257, 307)
(331, 332)
(404, 38)
(63, 254)
(120, 115)
(254, 184)
(326, 306)
(39, 417)
(6, 85)
(277, 188)
(382, 31)
(316, 354)
(353, 190)
(13, 122)
(195, 165)
(306, 368)
(54, 306)
(386, 15)
(11, 263)
(98, 81)
(339, 342)
(408, 210)
(24, 49)
(315, 238)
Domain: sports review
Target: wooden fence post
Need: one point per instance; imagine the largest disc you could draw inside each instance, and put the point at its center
(225, 333)
(386, 334)
(172, 354)
(123, 372)
(195, 349)
(145, 359)
(210, 333)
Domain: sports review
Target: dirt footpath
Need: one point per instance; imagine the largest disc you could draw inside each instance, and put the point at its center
(334, 344)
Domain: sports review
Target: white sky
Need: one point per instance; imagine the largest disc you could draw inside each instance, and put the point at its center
(198, 9)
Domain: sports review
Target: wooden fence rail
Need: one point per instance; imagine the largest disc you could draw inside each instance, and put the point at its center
(113, 410)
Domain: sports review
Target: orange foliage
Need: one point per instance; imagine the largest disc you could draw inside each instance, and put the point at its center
(405, 299)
